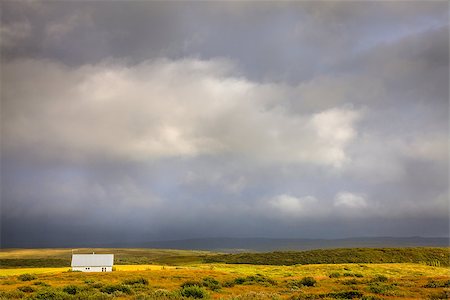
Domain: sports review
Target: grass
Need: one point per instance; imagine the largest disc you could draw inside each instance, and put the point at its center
(15, 258)
(193, 278)
(422, 255)
(379, 281)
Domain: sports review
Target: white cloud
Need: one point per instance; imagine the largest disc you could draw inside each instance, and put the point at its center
(350, 200)
(159, 109)
(292, 206)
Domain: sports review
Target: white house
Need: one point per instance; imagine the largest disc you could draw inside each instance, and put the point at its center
(92, 262)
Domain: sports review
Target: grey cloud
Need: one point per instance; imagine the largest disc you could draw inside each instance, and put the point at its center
(152, 120)
(291, 41)
(211, 111)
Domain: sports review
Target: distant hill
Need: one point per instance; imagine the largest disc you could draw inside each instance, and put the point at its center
(424, 255)
(234, 245)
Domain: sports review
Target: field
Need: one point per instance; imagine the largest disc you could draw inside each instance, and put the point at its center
(185, 275)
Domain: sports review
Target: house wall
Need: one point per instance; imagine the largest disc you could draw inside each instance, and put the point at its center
(92, 269)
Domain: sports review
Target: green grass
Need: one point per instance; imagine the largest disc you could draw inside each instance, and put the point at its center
(428, 256)
(53, 258)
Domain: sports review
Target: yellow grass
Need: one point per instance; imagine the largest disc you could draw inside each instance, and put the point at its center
(11, 272)
(408, 279)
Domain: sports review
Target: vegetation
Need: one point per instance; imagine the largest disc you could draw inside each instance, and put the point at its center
(428, 256)
(231, 282)
(139, 280)
(194, 291)
(52, 258)
(26, 277)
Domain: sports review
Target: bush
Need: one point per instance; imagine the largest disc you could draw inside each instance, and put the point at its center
(308, 281)
(191, 283)
(90, 295)
(346, 295)
(350, 282)
(97, 285)
(41, 283)
(194, 291)
(49, 294)
(15, 294)
(159, 294)
(256, 296)
(441, 295)
(211, 283)
(26, 289)
(133, 281)
(27, 277)
(380, 278)
(71, 289)
(229, 283)
(111, 289)
(255, 279)
(382, 289)
(436, 284)
(306, 297)
(334, 275)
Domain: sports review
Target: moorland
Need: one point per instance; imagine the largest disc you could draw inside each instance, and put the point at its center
(355, 273)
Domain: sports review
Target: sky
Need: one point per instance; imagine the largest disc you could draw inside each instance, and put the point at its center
(125, 122)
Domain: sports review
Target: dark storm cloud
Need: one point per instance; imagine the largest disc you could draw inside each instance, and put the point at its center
(150, 120)
(288, 41)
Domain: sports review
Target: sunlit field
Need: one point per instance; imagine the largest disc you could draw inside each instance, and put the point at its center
(229, 281)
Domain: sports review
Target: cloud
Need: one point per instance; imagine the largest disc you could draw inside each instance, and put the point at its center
(298, 119)
(350, 200)
(13, 33)
(162, 109)
(59, 29)
(291, 206)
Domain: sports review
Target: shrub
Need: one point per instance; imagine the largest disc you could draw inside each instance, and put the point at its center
(308, 281)
(41, 283)
(294, 284)
(306, 297)
(211, 283)
(90, 295)
(346, 295)
(133, 281)
(256, 296)
(190, 283)
(111, 289)
(239, 280)
(359, 275)
(441, 295)
(229, 283)
(97, 285)
(382, 289)
(334, 275)
(436, 284)
(255, 279)
(26, 289)
(50, 294)
(27, 277)
(194, 291)
(380, 278)
(15, 294)
(164, 294)
(350, 282)
(71, 289)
